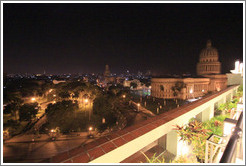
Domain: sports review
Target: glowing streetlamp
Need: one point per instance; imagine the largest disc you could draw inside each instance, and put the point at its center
(33, 99)
(138, 106)
(86, 101)
(124, 96)
(53, 134)
(203, 92)
(90, 135)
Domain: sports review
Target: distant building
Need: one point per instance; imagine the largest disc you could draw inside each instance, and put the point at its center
(208, 79)
(58, 81)
(120, 80)
(236, 75)
(86, 79)
(107, 71)
(107, 77)
(209, 61)
(127, 83)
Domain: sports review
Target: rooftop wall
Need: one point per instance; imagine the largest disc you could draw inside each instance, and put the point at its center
(119, 145)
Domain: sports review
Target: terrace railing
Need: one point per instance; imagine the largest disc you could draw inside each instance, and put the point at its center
(234, 146)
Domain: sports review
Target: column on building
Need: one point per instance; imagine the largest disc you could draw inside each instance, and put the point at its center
(206, 114)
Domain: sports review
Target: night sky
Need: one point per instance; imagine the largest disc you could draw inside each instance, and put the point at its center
(83, 38)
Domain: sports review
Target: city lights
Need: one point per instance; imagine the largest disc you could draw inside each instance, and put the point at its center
(125, 83)
(86, 101)
(138, 106)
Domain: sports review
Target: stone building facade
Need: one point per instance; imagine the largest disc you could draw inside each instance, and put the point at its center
(208, 79)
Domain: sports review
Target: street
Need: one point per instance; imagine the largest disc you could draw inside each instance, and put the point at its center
(22, 149)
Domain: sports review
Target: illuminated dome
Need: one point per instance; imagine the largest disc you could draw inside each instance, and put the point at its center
(209, 54)
(209, 61)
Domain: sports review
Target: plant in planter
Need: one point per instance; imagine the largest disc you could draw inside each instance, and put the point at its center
(185, 159)
(154, 159)
(195, 134)
(178, 159)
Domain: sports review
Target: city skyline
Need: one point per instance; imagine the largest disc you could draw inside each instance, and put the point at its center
(83, 38)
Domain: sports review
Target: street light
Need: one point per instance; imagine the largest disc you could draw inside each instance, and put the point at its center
(138, 106)
(86, 101)
(53, 134)
(90, 135)
(33, 99)
(203, 92)
(124, 96)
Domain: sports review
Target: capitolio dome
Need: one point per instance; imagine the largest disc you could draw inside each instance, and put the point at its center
(209, 61)
(209, 53)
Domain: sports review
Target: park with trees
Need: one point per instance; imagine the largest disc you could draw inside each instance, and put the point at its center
(71, 106)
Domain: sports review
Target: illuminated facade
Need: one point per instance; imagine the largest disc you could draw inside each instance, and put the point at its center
(208, 79)
(194, 87)
(236, 75)
(238, 68)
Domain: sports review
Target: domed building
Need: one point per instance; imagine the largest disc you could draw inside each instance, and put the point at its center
(208, 79)
(209, 61)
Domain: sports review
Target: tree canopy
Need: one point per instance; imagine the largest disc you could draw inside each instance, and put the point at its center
(28, 111)
(62, 114)
(133, 85)
(179, 85)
